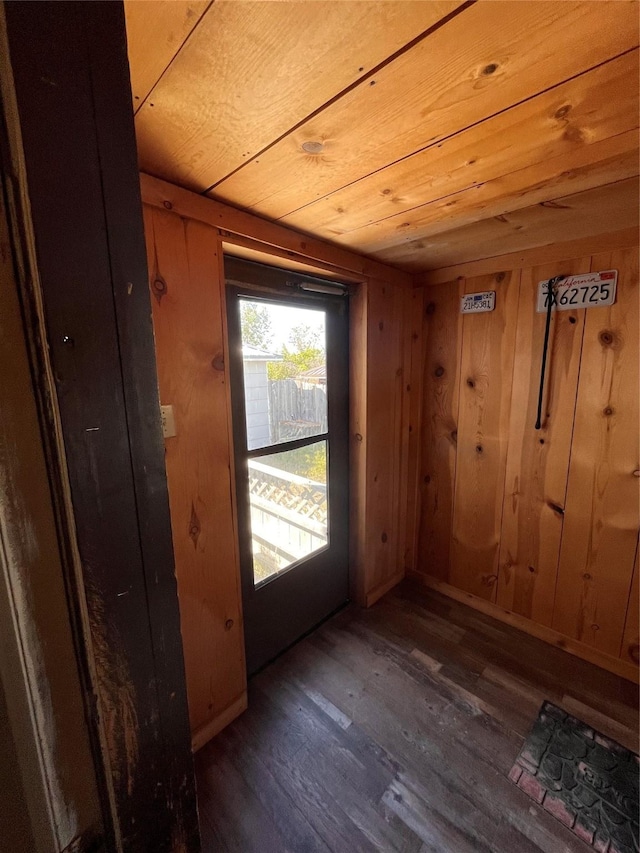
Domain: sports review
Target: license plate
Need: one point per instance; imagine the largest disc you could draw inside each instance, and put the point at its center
(591, 290)
(475, 303)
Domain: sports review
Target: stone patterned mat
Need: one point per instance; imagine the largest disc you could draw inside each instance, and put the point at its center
(584, 779)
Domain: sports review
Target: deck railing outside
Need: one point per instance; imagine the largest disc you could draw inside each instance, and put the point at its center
(288, 518)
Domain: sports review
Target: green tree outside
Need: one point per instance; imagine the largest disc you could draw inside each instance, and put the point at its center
(306, 352)
(256, 325)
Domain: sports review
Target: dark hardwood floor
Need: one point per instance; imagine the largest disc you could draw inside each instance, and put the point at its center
(394, 729)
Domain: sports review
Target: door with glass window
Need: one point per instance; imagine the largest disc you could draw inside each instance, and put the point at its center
(288, 342)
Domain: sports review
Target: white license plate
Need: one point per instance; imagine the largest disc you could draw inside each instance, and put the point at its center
(591, 290)
(475, 303)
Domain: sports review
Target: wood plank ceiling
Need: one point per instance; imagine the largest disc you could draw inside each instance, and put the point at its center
(420, 133)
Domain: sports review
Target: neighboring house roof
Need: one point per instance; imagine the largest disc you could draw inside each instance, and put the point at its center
(317, 374)
(250, 353)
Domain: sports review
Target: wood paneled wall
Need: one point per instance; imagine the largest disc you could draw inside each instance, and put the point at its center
(186, 236)
(537, 527)
(386, 362)
(188, 312)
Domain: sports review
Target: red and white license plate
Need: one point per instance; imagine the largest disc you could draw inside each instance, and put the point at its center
(591, 290)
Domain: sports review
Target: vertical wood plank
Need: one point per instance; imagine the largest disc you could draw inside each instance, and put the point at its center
(400, 442)
(384, 420)
(85, 208)
(538, 460)
(187, 314)
(229, 714)
(51, 787)
(358, 440)
(123, 211)
(402, 519)
(413, 388)
(486, 376)
(601, 515)
(442, 323)
(379, 428)
(631, 639)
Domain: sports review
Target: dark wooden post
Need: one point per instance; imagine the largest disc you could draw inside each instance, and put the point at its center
(71, 78)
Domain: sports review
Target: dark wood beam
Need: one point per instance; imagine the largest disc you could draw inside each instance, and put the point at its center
(70, 69)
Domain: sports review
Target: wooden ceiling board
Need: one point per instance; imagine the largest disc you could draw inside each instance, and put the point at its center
(251, 71)
(482, 61)
(242, 223)
(604, 162)
(607, 208)
(156, 30)
(547, 254)
(566, 120)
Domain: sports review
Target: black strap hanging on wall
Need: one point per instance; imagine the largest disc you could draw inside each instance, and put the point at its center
(550, 300)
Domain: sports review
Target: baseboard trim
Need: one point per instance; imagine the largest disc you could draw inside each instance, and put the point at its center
(542, 632)
(383, 588)
(204, 734)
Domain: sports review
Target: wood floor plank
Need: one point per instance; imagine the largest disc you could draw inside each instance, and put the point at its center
(536, 662)
(420, 746)
(431, 664)
(330, 752)
(328, 707)
(299, 778)
(294, 828)
(226, 787)
(436, 831)
(513, 685)
(349, 772)
(602, 722)
(393, 729)
(397, 625)
(419, 717)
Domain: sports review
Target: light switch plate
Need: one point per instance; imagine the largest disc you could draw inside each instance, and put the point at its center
(168, 421)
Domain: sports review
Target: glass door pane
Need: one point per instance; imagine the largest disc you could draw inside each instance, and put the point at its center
(284, 358)
(285, 389)
(289, 508)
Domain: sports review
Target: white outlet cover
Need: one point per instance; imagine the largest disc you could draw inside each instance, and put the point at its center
(168, 421)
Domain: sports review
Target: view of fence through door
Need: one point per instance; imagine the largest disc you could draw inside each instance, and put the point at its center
(289, 368)
(285, 389)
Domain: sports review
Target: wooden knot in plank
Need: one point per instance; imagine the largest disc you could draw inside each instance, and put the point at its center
(194, 526)
(159, 287)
